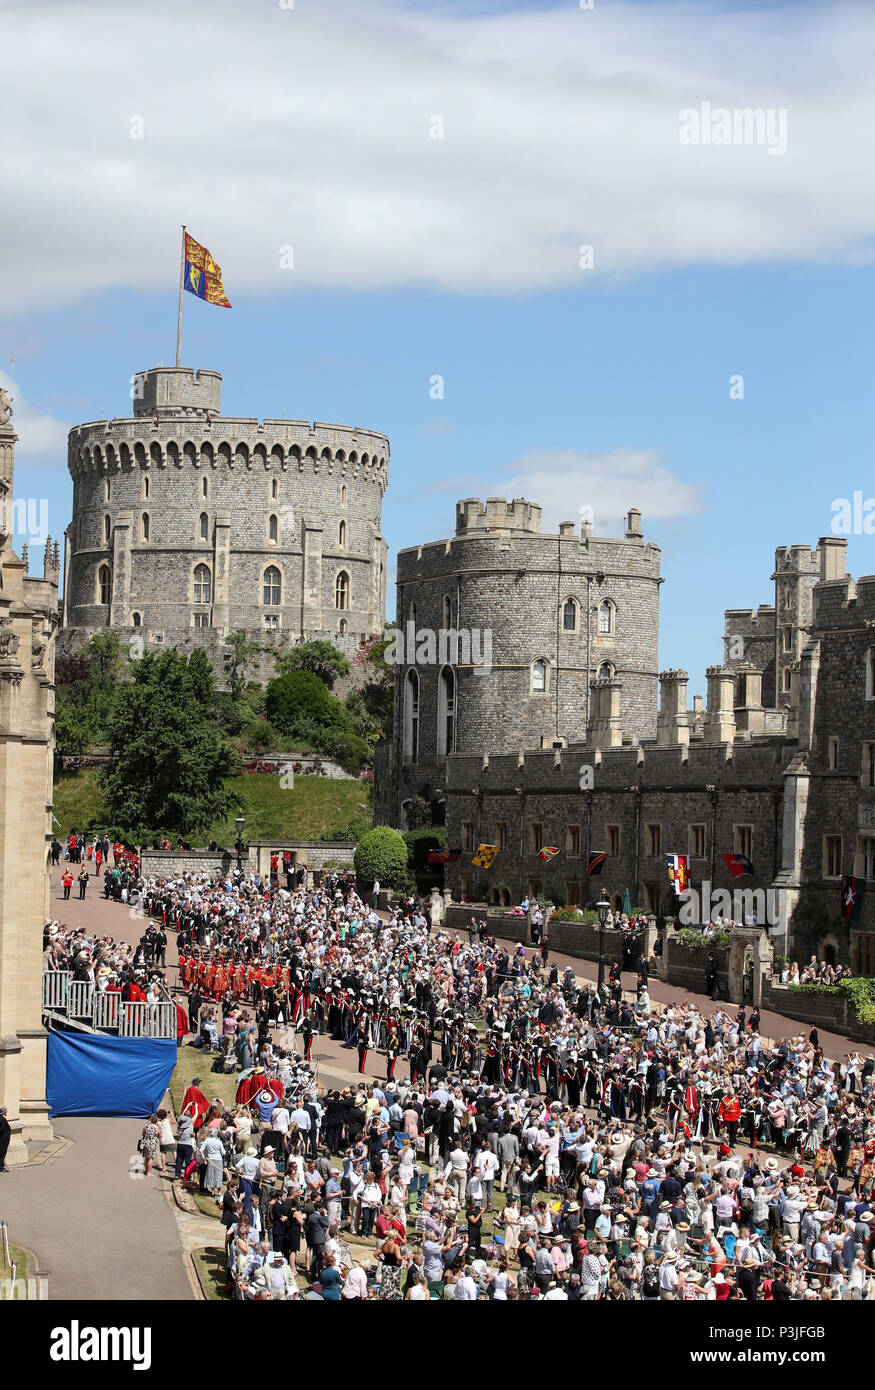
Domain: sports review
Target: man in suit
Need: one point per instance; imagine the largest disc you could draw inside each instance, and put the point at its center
(5, 1136)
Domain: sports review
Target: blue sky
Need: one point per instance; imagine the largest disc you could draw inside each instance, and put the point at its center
(459, 257)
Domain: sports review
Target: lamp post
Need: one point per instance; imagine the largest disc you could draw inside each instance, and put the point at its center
(602, 907)
(240, 822)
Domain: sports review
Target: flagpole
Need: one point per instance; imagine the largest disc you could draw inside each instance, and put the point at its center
(179, 310)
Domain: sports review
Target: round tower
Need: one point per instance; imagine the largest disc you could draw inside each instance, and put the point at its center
(188, 524)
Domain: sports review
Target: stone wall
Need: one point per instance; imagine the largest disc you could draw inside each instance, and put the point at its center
(831, 1012)
(633, 790)
(169, 863)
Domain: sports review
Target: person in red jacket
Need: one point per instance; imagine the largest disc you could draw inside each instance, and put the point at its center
(730, 1114)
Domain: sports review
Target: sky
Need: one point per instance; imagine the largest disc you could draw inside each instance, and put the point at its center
(533, 204)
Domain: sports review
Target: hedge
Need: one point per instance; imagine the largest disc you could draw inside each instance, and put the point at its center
(694, 941)
(859, 992)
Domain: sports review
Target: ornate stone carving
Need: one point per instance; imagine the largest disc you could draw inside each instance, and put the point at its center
(6, 411)
(38, 646)
(9, 641)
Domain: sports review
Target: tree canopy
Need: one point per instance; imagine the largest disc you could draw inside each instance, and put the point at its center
(169, 755)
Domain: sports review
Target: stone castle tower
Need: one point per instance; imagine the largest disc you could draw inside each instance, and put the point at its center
(188, 524)
(572, 622)
(28, 618)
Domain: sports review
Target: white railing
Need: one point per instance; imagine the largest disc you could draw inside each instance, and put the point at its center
(55, 986)
(80, 999)
(106, 1010)
(77, 999)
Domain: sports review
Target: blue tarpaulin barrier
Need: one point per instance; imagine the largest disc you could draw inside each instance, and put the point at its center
(99, 1074)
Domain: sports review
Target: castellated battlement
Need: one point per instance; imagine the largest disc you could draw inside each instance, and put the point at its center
(842, 603)
(497, 515)
(618, 769)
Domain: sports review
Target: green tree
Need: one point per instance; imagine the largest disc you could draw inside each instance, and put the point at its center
(240, 653)
(320, 657)
(74, 730)
(169, 757)
(300, 705)
(381, 853)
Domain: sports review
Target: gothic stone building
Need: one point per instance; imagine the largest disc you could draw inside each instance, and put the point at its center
(188, 524)
(28, 618)
(573, 741)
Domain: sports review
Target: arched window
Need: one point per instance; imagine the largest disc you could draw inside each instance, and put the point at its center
(870, 674)
(104, 584)
(606, 618)
(411, 717)
(203, 487)
(272, 528)
(446, 711)
(202, 584)
(274, 488)
(606, 671)
(108, 489)
(342, 628)
(343, 495)
(341, 591)
(145, 526)
(569, 615)
(341, 535)
(539, 677)
(145, 487)
(271, 585)
(205, 527)
(107, 530)
(137, 619)
(447, 614)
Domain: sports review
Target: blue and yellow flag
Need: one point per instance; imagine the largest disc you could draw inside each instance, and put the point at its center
(202, 276)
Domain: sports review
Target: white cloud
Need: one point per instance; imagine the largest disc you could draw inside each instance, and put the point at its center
(563, 481)
(38, 433)
(266, 127)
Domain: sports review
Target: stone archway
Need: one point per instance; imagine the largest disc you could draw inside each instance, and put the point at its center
(829, 950)
(742, 953)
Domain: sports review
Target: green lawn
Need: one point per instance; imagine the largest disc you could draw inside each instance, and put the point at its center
(212, 1270)
(310, 810)
(192, 1062)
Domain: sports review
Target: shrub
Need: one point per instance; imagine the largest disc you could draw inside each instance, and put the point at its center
(421, 842)
(382, 854)
(584, 915)
(261, 736)
(694, 940)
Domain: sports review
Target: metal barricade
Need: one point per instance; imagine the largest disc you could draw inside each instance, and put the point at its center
(80, 999)
(55, 986)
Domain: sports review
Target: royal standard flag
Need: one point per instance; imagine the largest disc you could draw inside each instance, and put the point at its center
(548, 852)
(202, 276)
(484, 856)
